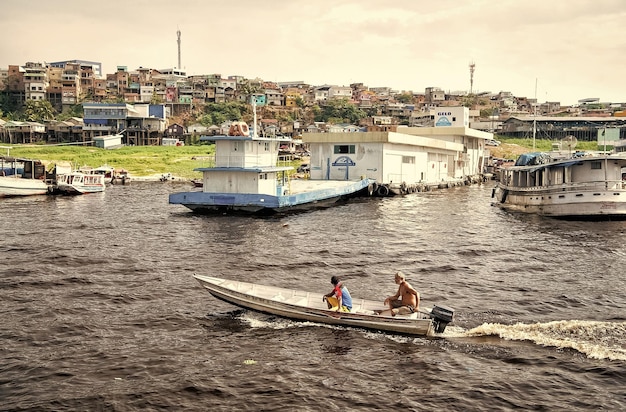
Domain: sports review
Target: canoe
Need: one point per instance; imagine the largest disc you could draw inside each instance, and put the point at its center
(309, 306)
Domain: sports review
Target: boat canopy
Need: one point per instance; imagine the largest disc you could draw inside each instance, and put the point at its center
(535, 158)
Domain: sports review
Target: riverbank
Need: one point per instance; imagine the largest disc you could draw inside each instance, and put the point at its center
(151, 163)
(148, 162)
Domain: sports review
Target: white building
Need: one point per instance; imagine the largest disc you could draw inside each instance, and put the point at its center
(427, 155)
(340, 92)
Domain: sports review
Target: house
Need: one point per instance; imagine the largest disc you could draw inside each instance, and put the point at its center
(558, 127)
(16, 132)
(175, 130)
(102, 119)
(340, 92)
(141, 123)
(343, 128)
(197, 128)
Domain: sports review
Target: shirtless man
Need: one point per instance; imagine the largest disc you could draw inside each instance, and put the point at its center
(405, 301)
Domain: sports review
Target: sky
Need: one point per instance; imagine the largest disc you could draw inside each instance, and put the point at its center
(554, 50)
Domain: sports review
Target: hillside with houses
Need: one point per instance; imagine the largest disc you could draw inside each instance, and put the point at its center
(73, 101)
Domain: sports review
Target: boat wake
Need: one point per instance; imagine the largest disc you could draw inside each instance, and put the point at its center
(596, 340)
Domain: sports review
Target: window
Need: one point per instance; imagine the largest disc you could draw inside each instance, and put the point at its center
(344, 149)
(237, 146)
(596, 165)
(408, 159)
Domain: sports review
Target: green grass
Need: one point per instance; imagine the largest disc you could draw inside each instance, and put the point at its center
(138, 160)
(544, 145)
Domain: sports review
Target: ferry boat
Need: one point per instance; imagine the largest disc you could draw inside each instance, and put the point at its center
(579, 187)
(245, 177)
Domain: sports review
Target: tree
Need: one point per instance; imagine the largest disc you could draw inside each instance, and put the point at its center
(75, 110)
(405, 98)
(156, 99)
(37, 111)
(340, 111)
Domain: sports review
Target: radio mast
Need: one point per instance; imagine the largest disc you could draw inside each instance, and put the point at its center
(178, 41)
(471, 67)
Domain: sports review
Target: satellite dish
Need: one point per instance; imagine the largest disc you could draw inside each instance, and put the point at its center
(569, 142)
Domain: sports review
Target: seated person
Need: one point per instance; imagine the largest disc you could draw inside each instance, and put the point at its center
(405, 301)
(339, 297)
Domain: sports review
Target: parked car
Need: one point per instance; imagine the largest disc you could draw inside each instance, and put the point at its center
(492, 142)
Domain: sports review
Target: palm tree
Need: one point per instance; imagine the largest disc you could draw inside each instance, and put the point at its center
(38, 110)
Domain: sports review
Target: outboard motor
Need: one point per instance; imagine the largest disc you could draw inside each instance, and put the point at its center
(441, 316)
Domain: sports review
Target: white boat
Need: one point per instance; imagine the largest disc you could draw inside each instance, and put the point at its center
(584, 186)
(22, 177)
(245, 177)
(78, 183)
(309, 306)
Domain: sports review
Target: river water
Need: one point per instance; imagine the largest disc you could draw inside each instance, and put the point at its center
(100, 311)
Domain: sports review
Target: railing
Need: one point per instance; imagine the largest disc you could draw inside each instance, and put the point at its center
(238, 161)
(575, 186)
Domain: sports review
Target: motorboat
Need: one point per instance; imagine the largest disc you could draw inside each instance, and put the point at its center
(310, 306)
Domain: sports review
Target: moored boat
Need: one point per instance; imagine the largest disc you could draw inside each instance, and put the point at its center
(105, 170)
(22, 177)
(78, 183)
(309, 306)
(584, 187)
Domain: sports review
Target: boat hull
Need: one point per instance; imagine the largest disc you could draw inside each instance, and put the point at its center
(256, 203)
(11, 186)
(309, 306)
(78, 190)
(585, 205)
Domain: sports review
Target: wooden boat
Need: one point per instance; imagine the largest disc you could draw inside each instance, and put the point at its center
(309, 306)
(585, 187)
(22, 177)
(78, 183)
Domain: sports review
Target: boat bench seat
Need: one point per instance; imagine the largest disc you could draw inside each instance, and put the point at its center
(297, 300)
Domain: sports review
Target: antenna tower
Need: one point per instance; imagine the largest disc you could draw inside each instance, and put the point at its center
(471, 67)
(178, 41)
